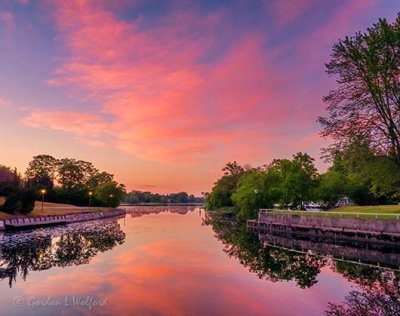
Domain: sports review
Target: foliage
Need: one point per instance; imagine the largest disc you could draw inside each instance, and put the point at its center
(221, 194)
(75, 179)
(9, 180)
(73, 247)
(42, 165)
(252, 193)
(268, 263)
(366, 103)
(332, 186)
(295, 179)
(139, 197)
(368, 178)
(20, 201)
(109, 194)
(288, 182)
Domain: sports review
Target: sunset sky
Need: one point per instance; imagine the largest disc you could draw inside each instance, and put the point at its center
(163, 93)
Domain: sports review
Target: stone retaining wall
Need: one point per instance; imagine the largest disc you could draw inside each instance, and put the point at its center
(58, 219)
(353, 224)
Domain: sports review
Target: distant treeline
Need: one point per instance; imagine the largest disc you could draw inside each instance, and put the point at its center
(139, 197)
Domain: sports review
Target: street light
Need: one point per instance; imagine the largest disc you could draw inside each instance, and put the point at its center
(43, 192)
(255, 192)
(90, 197)
(111, 196)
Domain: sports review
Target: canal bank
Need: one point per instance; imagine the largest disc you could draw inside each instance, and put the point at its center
(51, 220)
(375, 230)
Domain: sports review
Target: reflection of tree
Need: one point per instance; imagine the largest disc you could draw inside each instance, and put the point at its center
(72, 247)
(379, 297)
(376, 287)
(267, 262)
(21, 258)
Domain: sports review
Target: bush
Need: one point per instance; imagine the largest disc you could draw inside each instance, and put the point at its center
(21, 201)
(110, 194)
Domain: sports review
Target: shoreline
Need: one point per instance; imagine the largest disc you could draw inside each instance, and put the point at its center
(29, 222)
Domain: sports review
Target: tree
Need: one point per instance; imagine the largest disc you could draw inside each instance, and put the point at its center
(332, 186)
(9, 180)
(366, 103)
(98, 179)
(295, 179)
(75, 174)
(70, 174)
(110, 194)
(42, 166)
(41, 170)
(369, 178)
(20, 201)
(252, 193)
(233, 168)
(20, 197)
(221, 193)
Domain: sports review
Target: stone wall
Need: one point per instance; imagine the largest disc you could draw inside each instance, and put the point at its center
(353, 224)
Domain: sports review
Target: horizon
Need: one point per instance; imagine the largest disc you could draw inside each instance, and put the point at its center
(164, 95)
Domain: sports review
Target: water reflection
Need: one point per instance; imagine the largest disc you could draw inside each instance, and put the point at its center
(376, 295)
(173, 264)
(62, 246)
(267, 262)
(284, 258)
(138, 211)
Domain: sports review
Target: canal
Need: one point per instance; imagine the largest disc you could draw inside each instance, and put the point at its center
(182, 261)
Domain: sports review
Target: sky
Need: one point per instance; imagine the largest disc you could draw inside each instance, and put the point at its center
(163, 94)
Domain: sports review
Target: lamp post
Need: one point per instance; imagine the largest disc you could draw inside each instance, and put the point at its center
(90, 198)
(43, 192)
(256, 199)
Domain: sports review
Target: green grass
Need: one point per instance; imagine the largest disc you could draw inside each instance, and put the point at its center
(53, 209)
(370, 209)
(351, 212)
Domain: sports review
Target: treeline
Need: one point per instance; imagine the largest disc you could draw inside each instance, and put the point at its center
(64, 180)
(139, 197)
(356, 173)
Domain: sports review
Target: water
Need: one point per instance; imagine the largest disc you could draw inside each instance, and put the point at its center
(180, 261)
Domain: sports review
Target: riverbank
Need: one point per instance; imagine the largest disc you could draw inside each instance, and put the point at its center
(376, 230)
(54, 209)
(385, 212)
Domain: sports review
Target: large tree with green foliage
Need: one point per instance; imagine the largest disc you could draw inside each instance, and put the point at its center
(110, 194)
(223, 189)
(295, 179)
(366, 103)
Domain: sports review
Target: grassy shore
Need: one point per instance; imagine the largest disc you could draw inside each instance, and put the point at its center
(54, 209)
(368, 212)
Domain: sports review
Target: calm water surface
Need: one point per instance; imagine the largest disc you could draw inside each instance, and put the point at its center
(180, 261)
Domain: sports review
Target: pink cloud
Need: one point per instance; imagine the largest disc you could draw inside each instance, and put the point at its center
(287, 11)
(158, 99)
(161, 103)
(7, 18)
(4, 102)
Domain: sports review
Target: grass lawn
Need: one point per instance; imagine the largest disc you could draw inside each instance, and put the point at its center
(54, 209)
(370, 209)
(351, 211)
